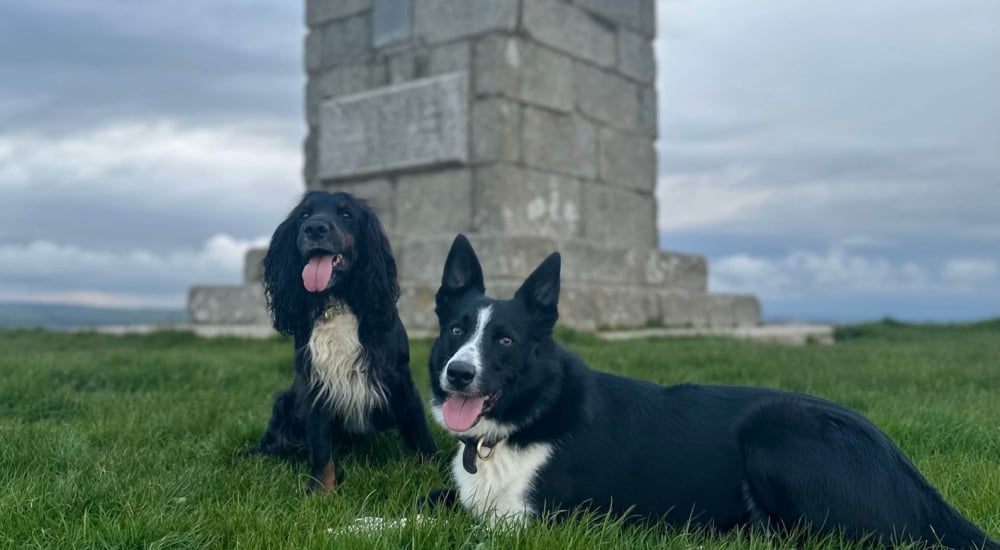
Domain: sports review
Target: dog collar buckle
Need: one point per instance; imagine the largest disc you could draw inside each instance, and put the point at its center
(481, 449)
(490, 449)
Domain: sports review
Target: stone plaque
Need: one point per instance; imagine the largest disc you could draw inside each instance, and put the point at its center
(416, 124)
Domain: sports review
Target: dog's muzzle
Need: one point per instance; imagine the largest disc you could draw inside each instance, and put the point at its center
(459, 375)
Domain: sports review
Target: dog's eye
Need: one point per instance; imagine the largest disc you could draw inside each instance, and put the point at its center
(304, 215)
(346, 215)
(456, 330)
(506, 341)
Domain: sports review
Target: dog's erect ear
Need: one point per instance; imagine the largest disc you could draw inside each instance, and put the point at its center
(462, 274)
(462, 271)
(540, 291)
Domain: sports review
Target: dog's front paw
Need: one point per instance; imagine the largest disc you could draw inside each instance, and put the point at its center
(316, 487)
(323, 480)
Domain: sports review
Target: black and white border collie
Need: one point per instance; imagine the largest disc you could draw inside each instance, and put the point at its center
(330, 280)
(541, 432)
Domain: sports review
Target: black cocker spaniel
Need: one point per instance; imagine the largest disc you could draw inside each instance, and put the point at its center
(330, 280)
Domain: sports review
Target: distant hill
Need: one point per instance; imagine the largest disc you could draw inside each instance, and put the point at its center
(26, 315)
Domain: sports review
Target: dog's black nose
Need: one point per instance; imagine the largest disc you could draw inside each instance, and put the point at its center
(315, 229)
(460, 374)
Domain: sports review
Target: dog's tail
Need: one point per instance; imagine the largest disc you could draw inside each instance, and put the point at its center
(814, 461)
(952, 530)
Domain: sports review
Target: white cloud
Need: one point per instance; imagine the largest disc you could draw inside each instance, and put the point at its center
(841, 272)
(156, 159)
(52, 272)
(842, 285)
(148, 184)
(745, 273)
(837, 271)
(720, 200)
(92, 298)
(970, 271)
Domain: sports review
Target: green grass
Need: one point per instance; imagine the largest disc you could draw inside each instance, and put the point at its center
(132, 442)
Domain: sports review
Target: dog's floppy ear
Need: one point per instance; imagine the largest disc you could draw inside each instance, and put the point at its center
(462, 273)
(540, 291)
(375, 284)
(287, 299)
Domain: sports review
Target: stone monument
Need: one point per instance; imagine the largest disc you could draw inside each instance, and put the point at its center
(528, 125)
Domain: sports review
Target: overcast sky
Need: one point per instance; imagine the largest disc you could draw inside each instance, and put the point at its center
(840, 160)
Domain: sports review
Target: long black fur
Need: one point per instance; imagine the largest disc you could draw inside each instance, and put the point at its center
(370, 289)
(717, 456)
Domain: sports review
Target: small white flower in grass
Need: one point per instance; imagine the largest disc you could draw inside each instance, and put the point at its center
(372, 524)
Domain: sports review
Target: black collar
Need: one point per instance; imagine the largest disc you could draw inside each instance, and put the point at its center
(474, 448)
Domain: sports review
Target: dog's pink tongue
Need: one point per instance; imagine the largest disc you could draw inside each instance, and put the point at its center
(460, 412)
(316, 274)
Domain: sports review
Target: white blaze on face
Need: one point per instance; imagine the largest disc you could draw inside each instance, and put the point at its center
(472, 350)
(461, 411)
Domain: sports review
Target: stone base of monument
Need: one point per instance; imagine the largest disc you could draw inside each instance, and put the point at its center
(593, 307)
(228, 305)
(602, 288)
(789, 334)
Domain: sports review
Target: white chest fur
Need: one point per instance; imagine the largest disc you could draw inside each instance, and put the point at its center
(499, 489)
(340, 372)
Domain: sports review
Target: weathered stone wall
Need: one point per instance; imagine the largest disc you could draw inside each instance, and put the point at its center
(529, 125)
(558, 98)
